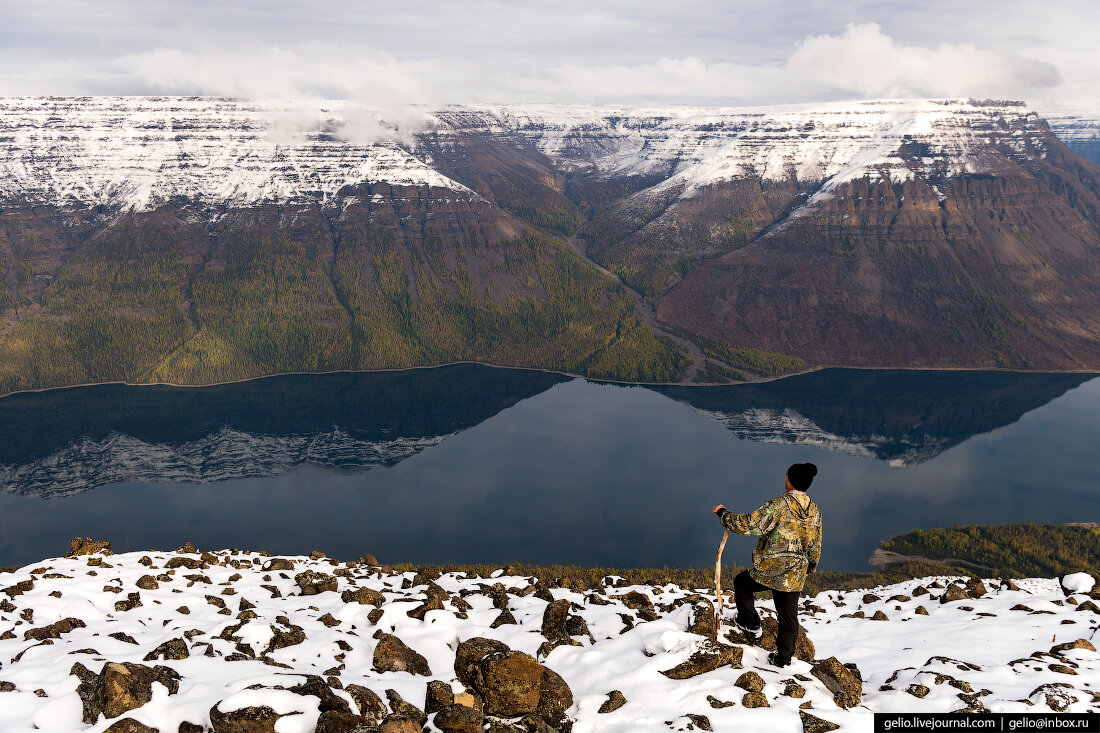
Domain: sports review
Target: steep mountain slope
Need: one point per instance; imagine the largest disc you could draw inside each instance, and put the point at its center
(196, 240)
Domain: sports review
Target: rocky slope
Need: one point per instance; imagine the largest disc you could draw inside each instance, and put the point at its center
(197, 240)
(234, 641)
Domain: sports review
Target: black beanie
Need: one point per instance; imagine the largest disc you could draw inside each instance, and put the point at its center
(801, 475)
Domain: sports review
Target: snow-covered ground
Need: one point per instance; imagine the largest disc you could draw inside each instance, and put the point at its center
(994, 650)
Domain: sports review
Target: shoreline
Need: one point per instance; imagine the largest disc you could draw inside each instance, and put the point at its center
(544, 370)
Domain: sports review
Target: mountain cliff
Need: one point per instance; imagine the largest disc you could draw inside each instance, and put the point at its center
(199, 240)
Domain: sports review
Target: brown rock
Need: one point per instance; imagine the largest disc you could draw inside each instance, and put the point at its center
(719, 704)
(54, 630)
(171, 649)
(187, 727)
(870, 598)
(795, 690)
(750, 681)
(920, 611)
(328, 700)
(401, 706)
(846, 687)
(710, 656)
(470, 653)
(183, 562)
(439, 696)
(278, 563)
(129, 725)
(701, 722)
(1079, 644)
(814, 724)
(880, 616)
(329, 620)
(511, 683)
(370, 705)
(615, 700)
(87, 546)
(755, 700)
(954, 592)
(399, 724)
(292, 635)
(133, 600)
(975, 588)
(335, 721)
(364, 596)
(458, 719)
(917, 690)
(147, 582)
(391, 655)
(312, 582)
(244, 720)
(124, 687)
(505, 617)
(703, 622)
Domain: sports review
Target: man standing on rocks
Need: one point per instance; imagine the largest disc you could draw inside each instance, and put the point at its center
(789, 527)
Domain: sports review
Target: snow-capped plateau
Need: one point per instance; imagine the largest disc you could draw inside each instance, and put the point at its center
(308, 637)
(138, 152)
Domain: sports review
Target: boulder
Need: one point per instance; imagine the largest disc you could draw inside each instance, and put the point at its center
(260, 719)
(512, 683)
(750, 681)
(327, 699)
(703, 621)
(79, 546)
(370, 705)
(975, 588)
(278, 563)
(147, 582)
(755, 700)
(124, 687)
(54, 630)
(458, 719)
(281, 638)
(364, 596)
(334, 721)
(401, 706)
(312, 582)
(846, 687)
(391, 655)
(171, 649)
(917, 690)
(504, 618)
(954, 592)
(709, 656)
(1086, 583)
(439, 696)
(399, 724)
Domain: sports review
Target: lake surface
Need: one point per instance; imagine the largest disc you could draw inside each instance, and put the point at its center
(467, 463)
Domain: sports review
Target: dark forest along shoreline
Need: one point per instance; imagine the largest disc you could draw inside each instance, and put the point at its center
(468, 463)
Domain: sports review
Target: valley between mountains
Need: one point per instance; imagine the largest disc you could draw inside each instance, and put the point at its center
(199, 240)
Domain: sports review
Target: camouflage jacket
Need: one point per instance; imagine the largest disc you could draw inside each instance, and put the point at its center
(789, 527)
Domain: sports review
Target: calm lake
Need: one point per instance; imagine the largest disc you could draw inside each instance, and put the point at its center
(468, 463)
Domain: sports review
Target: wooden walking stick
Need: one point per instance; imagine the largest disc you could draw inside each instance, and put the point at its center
(718, 578)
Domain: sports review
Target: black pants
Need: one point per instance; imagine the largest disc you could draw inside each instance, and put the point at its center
(786, 608)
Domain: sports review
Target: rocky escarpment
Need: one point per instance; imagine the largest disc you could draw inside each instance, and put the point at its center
(234, 641)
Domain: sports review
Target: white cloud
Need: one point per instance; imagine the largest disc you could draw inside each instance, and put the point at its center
(866, 62)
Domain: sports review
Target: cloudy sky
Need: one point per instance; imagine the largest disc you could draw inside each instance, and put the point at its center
(750, 52)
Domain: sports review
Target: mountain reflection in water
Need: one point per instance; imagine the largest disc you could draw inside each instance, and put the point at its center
(67, 441)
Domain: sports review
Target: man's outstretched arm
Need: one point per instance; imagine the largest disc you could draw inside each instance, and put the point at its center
(759, 522)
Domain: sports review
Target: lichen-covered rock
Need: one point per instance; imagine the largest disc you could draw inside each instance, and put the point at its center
(708, 657)
(846, 687)
(703, 621)
(458, 719)
(918, 690)
(438, 696)
(171, 649)
(289, 635)
(54, 630)
(370, 705)
(512, 683)
(260, 719)
(364, 596)
(392, 655)
(750, 681)
(953, 593)
(804, 649)
(124, 687)
(755, 700)
(312, 582)
(79, 546)
(615, 700)
(147, 582)
(399, 724)
(814, 724)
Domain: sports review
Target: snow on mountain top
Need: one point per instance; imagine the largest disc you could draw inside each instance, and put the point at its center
(692, 147)
(1005, 650)
(137, 152)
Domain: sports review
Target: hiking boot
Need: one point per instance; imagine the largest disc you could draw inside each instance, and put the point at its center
(775, 661)
(751, 630)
